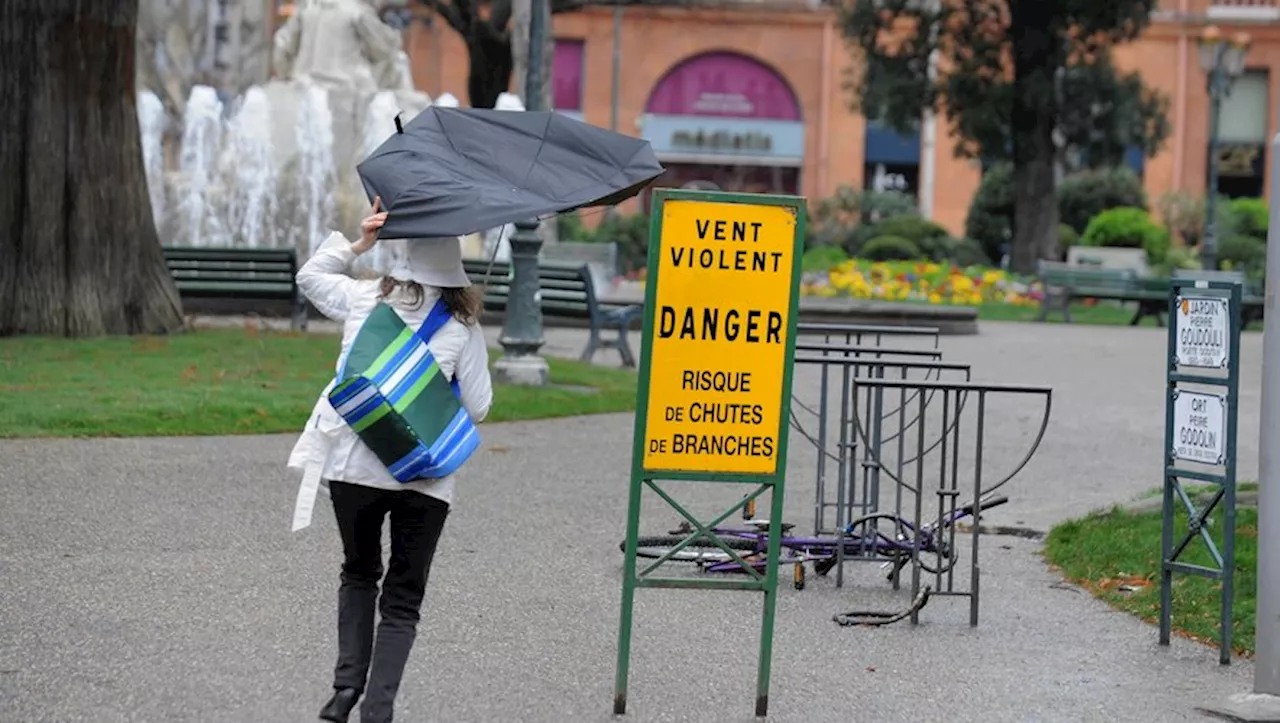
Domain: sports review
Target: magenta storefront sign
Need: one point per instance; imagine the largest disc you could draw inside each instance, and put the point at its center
(722, 84)
(566, 75)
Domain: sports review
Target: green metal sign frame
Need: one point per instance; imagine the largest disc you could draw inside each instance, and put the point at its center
(642, 479)
(1175, 474)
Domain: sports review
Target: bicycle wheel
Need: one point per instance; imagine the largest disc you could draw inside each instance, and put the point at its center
(700, 550)
(888, 535)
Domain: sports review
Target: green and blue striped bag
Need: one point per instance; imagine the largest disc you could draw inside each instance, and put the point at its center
(391, 393)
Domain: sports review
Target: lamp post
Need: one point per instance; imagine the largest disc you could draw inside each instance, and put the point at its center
(1223, 62)
(522, 326)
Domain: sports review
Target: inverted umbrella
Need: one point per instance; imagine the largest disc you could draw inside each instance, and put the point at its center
(454, 171)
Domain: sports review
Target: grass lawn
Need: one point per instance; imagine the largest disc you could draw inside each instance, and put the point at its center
(239, 381)
(1101, 313)
(1107, 551)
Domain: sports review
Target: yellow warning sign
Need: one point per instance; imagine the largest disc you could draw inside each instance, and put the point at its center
(718, 349)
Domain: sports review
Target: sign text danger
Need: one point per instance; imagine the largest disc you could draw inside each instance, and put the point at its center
(722, 308)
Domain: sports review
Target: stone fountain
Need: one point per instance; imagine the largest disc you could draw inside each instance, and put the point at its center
(274, 167)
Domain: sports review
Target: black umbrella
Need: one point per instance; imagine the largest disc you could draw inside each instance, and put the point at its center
(454, 171)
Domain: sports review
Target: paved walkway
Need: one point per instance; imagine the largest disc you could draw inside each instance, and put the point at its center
(156, 580)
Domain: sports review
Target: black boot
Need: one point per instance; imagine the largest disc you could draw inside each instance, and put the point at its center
(340, 705)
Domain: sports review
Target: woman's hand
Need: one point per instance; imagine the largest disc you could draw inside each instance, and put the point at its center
(369, 228)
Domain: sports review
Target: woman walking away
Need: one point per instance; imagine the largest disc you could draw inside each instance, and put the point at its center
(426, 276)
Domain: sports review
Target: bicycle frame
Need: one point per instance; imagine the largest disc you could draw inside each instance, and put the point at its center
(812, 549)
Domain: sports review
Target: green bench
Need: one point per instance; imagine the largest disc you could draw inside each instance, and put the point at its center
(565, 290)
(1064, 283)
(237, 273)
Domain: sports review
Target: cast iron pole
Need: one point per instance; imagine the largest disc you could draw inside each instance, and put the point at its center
(522, 325)
(1209, 244)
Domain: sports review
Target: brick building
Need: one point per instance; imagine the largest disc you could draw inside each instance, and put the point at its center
(751, 96)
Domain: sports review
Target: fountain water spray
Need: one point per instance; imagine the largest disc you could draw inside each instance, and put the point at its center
(251, 173)
(152, 120)
(379, 124)
(317, 176)
(201, 141)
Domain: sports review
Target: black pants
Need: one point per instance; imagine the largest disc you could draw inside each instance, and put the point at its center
(369, 664)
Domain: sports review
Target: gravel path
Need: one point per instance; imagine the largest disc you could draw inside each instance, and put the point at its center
(156, 580)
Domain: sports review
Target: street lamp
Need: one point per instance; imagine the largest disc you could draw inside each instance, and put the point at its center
(522, 327)
(1223, 62)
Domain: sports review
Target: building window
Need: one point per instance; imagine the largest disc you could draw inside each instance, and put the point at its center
(1242, 136)
(566, 76)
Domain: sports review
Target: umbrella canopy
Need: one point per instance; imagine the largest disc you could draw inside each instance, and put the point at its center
(454, 171)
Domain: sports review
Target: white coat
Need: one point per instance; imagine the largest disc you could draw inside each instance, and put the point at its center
(327, 448)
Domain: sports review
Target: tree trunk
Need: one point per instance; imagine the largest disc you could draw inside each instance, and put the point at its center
(489, 74)
(1035, 203)
(79, 254)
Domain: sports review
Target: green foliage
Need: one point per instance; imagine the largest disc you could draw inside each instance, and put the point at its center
(631, 233)
(1102, 110)
(846, 217)
(890, 248)
(569, 227)
(991, 211)
(1251, 217)
(1178, 257)
(1002, 93)
(965, 252)
(1088, 193)
(1067, 237)
(1128, 228)
(1183, 214)
(823, 258)
(915, 229)
(1242, 253)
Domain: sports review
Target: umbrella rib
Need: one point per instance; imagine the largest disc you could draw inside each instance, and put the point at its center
(542, 142)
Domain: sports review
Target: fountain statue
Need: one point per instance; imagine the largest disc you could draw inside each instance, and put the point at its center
(275, 166)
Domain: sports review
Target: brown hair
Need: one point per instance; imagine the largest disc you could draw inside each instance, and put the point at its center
(465, 303)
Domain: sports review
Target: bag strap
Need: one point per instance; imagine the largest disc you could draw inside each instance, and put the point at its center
(437, 318)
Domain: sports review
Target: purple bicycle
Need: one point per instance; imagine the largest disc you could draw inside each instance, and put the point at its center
(879, 537)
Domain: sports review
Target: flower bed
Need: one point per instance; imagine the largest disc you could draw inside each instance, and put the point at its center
(920, 281)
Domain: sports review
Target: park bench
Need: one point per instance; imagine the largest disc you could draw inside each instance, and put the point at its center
(566, 290)
(238, 273)
(1064, 283)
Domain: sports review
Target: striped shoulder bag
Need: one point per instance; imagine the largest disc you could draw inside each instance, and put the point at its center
(391, 393)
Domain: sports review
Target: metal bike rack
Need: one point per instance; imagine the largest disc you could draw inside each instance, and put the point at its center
(931, 461)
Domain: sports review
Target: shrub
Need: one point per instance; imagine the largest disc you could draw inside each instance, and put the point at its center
(1128, 228)
(822, 258)
(631, 233)
(1250, 217)
(1080, 197)
(569, 227)
(933, 240)
(1067, 237)
(991, 211)
(846, 217)
(965, 252)
(912, 228)
(1086, 194)
(890, 248)
(1242, 253)
(1179, 257)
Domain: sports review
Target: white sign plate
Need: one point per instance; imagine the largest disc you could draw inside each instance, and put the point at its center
(1199, 427)
(1202, 328)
